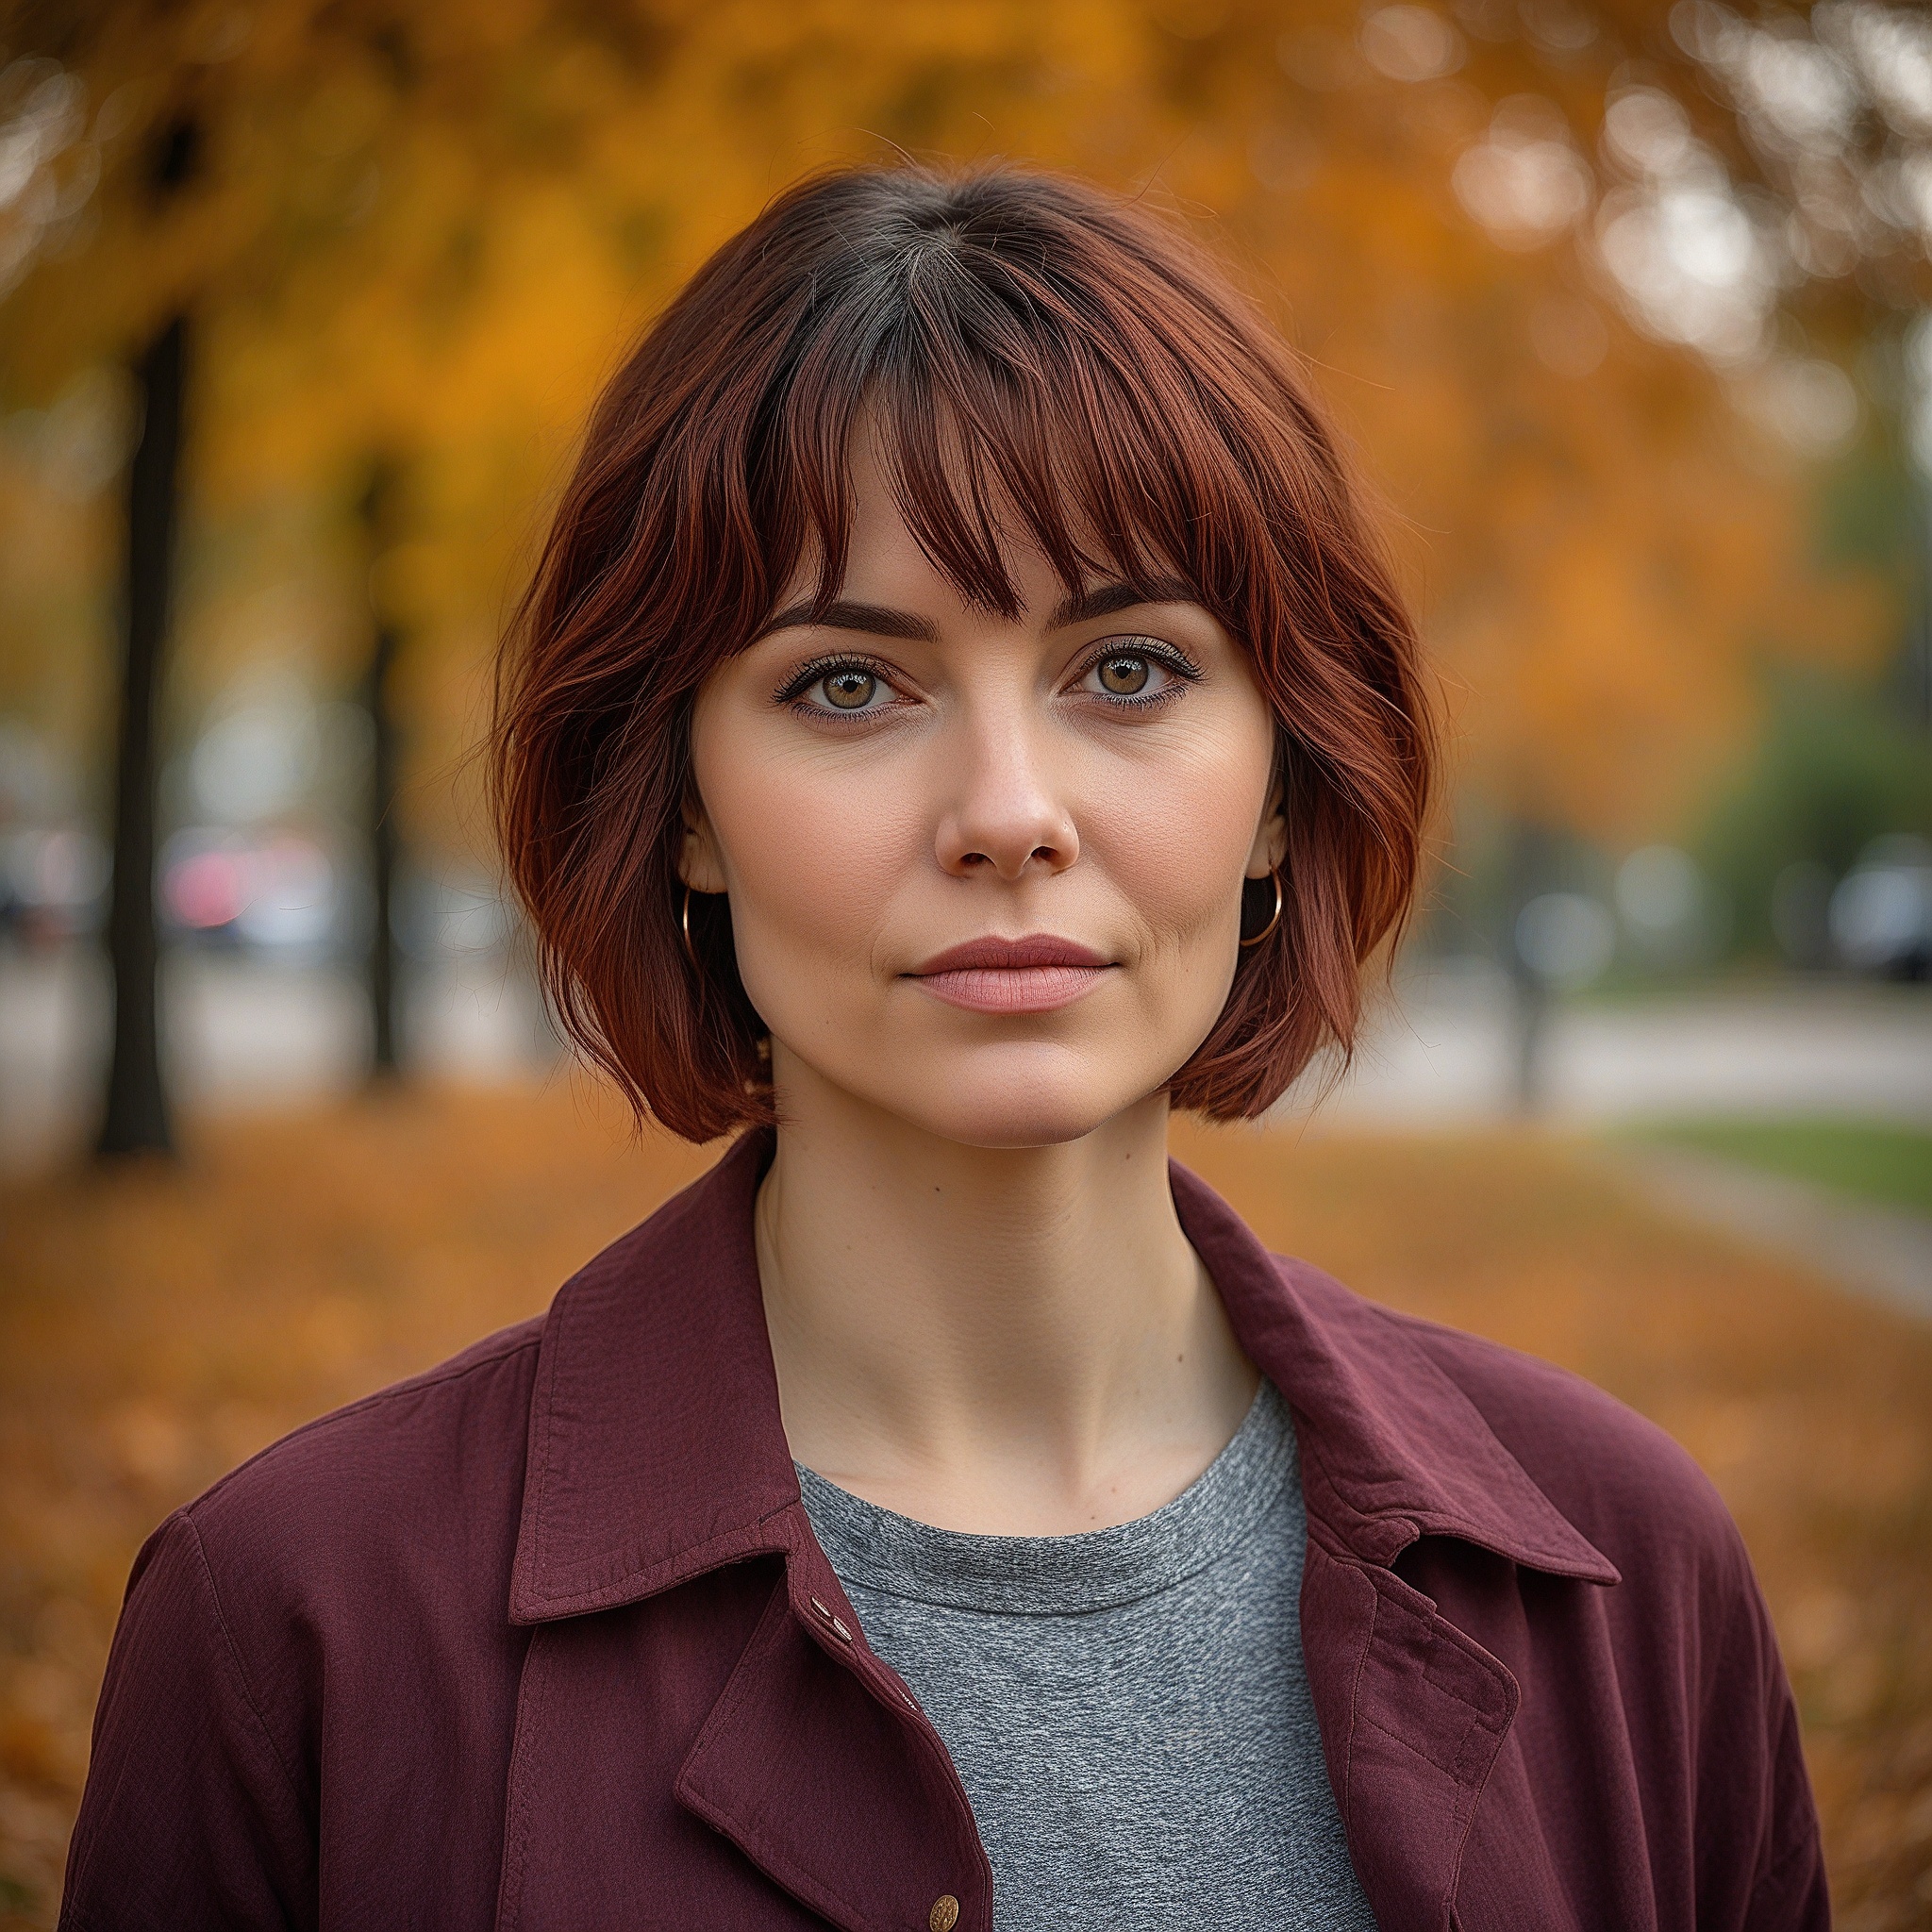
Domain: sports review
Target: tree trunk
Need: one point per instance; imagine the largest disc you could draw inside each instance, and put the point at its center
(1529, 869)
(385, 955)
(137, 1115)
(385, 963)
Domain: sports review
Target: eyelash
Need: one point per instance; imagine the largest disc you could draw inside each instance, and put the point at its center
(1176, 663)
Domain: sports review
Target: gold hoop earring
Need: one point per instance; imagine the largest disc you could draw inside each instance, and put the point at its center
(1273, 917)
(690, 951)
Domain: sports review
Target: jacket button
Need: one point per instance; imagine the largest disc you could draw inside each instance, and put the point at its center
(944, 1914)
(838, 1623)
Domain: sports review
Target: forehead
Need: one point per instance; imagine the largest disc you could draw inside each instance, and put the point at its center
(886, 562)
(889, 551)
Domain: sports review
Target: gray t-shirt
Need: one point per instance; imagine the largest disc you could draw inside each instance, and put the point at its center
(1127, 1708)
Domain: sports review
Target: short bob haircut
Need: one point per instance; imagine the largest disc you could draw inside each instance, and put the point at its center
(1044, 362)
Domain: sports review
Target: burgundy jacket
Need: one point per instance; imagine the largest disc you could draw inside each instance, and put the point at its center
(541, 1639)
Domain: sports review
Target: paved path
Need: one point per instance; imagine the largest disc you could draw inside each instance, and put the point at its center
(1883, 1253)
(239, 1032)
(242, 1032)
(1445, 1053)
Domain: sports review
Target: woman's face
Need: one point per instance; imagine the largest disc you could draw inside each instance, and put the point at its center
(985, 875)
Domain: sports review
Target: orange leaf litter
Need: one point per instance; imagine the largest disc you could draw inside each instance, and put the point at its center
(158, 1325)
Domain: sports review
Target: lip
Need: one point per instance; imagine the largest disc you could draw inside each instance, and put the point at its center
(1037, 973)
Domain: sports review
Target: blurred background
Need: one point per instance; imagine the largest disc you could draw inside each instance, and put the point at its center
(1628, 310)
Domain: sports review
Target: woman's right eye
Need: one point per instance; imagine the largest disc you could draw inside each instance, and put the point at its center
(844, 688)
(839, 689)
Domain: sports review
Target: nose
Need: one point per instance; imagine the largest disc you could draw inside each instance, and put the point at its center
(1007, 814)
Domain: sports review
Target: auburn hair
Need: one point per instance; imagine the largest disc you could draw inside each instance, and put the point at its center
(1044, 362)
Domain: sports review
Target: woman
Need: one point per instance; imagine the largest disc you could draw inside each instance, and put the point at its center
(960, 715)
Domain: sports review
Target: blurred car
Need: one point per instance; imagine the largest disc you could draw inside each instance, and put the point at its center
(1881, 910)
(53, 883)
(277, 893)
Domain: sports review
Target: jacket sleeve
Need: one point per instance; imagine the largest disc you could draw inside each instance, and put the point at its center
(190, 1816)
(1751, 1740)
(1791, 1894)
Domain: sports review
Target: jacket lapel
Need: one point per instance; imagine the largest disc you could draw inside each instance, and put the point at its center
(1412, 1714)
(818, 1765)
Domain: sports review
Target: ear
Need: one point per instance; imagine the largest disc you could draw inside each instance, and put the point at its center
(700, 864)
(1271, 835)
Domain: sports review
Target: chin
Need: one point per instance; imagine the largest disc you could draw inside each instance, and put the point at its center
(1001, 1099)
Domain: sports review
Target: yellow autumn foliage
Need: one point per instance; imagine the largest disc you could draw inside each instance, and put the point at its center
(427, 234)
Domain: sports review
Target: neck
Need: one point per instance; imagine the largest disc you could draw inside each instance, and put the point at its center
(1005, 1340)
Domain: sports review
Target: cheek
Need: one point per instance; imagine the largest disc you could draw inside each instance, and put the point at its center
(813, 850)
(1175, 841)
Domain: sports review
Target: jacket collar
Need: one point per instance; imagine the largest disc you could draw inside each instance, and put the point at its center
(1391, 1448)
(656, 1450)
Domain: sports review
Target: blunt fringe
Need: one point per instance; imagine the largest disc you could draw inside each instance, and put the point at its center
(1043, 360)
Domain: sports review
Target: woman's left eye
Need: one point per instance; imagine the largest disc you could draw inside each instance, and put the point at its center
(1130, 672)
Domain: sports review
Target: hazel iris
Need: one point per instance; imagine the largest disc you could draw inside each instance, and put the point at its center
(1123, 675)
(850, 690)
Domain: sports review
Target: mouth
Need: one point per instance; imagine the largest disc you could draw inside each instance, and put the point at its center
(1034, 974)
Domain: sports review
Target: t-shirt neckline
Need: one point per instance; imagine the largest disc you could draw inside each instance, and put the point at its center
(869, 1547)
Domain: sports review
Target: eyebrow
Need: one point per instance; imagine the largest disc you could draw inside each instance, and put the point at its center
(1103, 600)
(880, 621)
(874, 620)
